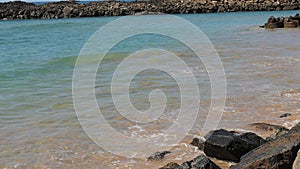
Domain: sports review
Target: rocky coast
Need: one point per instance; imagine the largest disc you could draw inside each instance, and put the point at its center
(66, 9)
(245, 150)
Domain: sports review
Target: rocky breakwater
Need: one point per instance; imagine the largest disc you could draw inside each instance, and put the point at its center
(278, 153)
(65, 9)
(282, 22)
(247, 150)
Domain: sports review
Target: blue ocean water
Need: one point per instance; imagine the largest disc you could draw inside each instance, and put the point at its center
(37, 58)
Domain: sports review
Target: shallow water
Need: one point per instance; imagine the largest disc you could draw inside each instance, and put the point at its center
(39, 127)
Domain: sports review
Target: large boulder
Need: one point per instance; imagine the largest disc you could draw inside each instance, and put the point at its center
(225, 145)
(274, 23)
(276, 154)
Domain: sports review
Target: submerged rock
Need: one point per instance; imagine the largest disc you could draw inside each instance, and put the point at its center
(225, 145)
(285, 115)
(268, 127)
(276, 154)
(158, 155)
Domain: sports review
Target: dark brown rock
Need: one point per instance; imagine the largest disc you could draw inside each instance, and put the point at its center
(283, 22)
(230, 146)
(203, 162)
(200, 162)
(276, 154)
(285, 115)
(170, 165)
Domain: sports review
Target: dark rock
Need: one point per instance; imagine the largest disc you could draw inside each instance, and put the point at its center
(296, 17)
(272, 19)
(274, 25)
(203, 162)
(158, 156)
(281, 22)
(251, 137)
(285, 115)
(200, 162)
(170, 165)
(230, 146)
(185, 165)
(276, 154)
(198, 143)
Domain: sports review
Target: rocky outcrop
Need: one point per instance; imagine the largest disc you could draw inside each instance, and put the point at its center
(200, 162)
(225, 145)
(65, 9)
(282, 22)
(276, 154)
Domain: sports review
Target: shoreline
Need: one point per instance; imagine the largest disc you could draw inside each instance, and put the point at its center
(232, 149)
(19, 10)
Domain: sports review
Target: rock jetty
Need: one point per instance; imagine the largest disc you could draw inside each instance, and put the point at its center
(282, 22)
(275, 154)
(66, 9)
(248, 150)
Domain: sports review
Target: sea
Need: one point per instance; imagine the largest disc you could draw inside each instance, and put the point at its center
(38, 121)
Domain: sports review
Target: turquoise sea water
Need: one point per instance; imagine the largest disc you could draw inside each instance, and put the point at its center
(39, 128)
